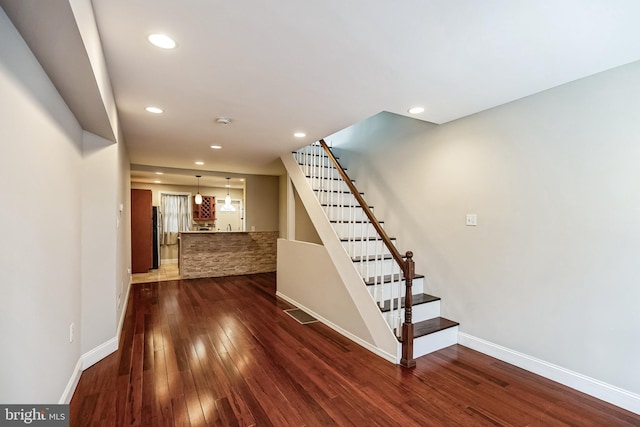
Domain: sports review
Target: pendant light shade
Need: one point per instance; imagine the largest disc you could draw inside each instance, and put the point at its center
(228, 207)
(198, 198)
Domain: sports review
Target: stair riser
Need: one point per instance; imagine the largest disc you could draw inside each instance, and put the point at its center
(387, 290)
(322, 172)
(420, 312)
(357, 249)
(310, 156)
(309, 152)
(328, 185)
(347, 229)
(365, 248)
(345, 214)
(434, 342)
(313, 163)
(331, 198)
(376, 268)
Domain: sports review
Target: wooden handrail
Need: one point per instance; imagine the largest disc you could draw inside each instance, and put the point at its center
(363, 204)
(407, 265)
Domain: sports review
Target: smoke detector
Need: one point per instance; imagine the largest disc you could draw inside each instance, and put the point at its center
(223, 121)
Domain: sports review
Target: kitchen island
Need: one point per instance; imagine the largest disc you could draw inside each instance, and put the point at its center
(226, 253)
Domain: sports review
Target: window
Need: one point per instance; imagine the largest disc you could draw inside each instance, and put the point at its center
(176, 216)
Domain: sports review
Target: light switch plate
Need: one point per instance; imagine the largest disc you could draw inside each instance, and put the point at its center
(472, 220)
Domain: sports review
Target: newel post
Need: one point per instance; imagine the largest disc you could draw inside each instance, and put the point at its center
(407, 359)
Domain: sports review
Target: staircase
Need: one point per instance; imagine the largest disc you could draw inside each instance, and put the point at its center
(412, 314)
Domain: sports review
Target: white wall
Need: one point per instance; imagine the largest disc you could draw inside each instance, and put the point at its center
(551, 269)
(99, 245)
(304, 229)
(123, 225)
(105, 244)
(67, 247)
(308, 278)
(106, 232)
(263, 201)
(40, 166)
(283, 206)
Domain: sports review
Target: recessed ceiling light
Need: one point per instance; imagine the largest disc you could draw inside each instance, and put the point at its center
(216, 147)
(159, 173)
(155, 110)
(416, 110)
(157, 182)
(200, 163)
(162, 41)
(299, 134)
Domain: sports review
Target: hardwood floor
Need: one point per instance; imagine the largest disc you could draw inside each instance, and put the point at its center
(222, 352)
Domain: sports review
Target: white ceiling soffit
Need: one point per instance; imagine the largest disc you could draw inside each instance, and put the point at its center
(172, 176)
(50, 30)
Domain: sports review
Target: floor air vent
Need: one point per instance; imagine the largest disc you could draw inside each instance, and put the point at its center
(301, 316)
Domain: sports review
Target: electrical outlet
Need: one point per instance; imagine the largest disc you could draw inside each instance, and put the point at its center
(472, 220)
(71, 331)
(129, 270)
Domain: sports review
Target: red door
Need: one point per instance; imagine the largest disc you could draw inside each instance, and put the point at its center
(141, 231)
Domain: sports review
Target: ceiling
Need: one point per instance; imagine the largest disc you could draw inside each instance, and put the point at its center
(277, 67)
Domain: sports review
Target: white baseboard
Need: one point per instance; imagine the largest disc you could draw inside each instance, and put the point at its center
(85, 361)
(67, 394)
(98, 353)
(123, 312)
(601, 390)
(387, 356)
(95, 355)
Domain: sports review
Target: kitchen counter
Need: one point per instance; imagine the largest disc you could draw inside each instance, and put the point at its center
(226, 253)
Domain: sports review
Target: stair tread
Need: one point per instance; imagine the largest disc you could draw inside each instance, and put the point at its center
(336, 191)
(371, 258)
(342, 206)
(322, 166)
(387, 279)
(431, 326)
(314, 155)
(375, 257)
(335, 221)
(417, 299)
(359, 239)
(334, 178)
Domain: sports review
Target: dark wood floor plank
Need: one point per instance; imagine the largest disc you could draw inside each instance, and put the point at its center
(221, 352)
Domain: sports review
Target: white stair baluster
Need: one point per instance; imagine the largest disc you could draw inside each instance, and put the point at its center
(399, 302)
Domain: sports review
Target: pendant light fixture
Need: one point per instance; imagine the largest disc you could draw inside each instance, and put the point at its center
(228, 207)
(198, 195)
